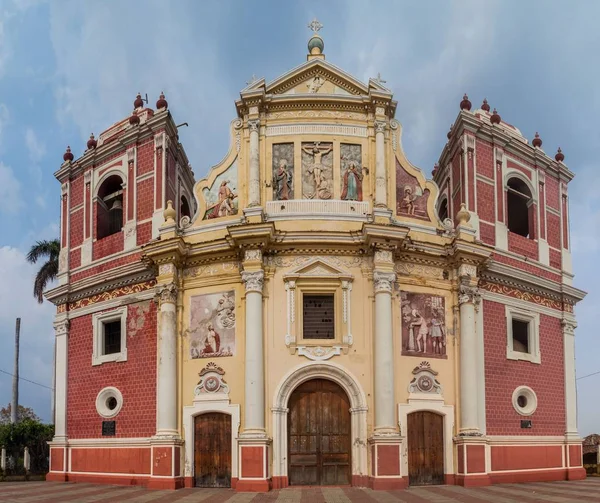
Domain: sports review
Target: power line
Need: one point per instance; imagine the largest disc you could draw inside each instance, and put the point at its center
(23, 379)
(589, 375)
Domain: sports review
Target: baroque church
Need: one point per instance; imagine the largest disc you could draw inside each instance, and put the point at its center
(316, 311)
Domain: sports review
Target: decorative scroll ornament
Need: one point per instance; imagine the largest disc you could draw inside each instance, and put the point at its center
(211, 381)
(319, 353)
(468, 294)
(168, 293)
(384, 281)
(254, 281)
(424, 380)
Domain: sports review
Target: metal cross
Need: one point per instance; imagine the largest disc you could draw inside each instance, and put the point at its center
(252, 80)
(379, 79)
(315, 26)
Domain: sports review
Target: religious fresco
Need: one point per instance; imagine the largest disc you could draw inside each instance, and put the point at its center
(423, 325)
(283, 171)
(317, 170)
(212, 325)
(352, 173)
(221, 198)
(411, 200)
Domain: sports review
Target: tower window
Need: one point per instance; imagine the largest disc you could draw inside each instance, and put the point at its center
(109, 218)
(519, 205)
(185, 208)
(443, 210)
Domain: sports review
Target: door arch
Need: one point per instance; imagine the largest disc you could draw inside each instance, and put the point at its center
(425, 442)
(212, 450)
(319, 434)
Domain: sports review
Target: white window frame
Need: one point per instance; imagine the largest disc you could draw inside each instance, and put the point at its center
(533, 322)
(98, 321)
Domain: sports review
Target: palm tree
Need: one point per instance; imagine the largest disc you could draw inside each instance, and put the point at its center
(49, 270)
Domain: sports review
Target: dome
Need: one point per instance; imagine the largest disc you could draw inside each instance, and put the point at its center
(316, 45)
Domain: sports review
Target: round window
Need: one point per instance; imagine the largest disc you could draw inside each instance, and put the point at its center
(109, 402)
(524, 400)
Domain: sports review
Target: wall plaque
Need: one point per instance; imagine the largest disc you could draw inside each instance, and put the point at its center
(526, 423)
(109, 428)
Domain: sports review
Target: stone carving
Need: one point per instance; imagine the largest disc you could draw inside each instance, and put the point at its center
(468, 270)
(352, 173)
(211, 381)
(379, 127)
(384, 256)
(319, 353)
(468, 294)
(165, 269)
(167, 293)
(568, 327)
(425, 380)
(423, 325)
(316, 114)
(112, 294)
(253, 125)
(418, 270)
(253, 255)
(317, 170)
(298, 260)
(394, 125)
(253, 280)
(283, 171)
(315, 84)
(383, 281)
(211, 270)
(411, 199)
(448, 226)
(185, 222)
(212, 325)
(221, 196)
(61, 327)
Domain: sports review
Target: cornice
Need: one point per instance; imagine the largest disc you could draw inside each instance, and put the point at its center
(386, 235)
(251, 235)
(173, 250)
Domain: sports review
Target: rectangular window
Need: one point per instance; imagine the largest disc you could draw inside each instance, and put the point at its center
(112, 337)
(318, 316)
(523, 335)
(520, 335)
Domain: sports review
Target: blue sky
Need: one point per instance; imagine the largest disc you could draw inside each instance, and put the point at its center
(69, 68)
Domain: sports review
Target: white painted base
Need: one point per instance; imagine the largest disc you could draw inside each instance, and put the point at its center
(544, 251)
(157, 220)
(86, 252)
(474, 221)
(567, 263)
(501, 236)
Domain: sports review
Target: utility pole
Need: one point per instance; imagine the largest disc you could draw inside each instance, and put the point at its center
(14, 410)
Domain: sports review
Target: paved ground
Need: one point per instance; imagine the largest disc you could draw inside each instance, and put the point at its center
(557, 492)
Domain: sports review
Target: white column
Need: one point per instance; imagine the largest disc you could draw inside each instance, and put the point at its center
(468, 361)
(384, 353)
(380, 175)
(166, 396)
(61, 329)
(254, 182)
(254, 411)
(570, 383)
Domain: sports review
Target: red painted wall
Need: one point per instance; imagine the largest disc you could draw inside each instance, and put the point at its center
(119, 460)
(502, 376)
(484, 156)
(135, 378)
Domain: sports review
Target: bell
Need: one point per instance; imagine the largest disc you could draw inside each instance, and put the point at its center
(117, 205)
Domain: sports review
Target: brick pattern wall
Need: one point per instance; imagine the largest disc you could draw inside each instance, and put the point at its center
(522, 245)
(552, 192)
(485, 201)
(145, 199)
(553, 222)
(135, 378)
(106, 266)
(518, 167)
(484, 156)
(502, 376)
(144, 233)
(145, 157)
(76, 231)
(528, 267)
(76, 191)
(555, 259)
(487, 233)
(108, 245)
(75, 258)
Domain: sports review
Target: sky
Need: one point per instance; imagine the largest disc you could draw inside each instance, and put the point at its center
(70, 68)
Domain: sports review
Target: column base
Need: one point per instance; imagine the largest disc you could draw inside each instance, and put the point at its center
(280, 482)
(254, 214)
(388, 483)
(166, 483)
(386, 461)
(480, 480)
(166, 472)
(576, 473)
(253, 458)
(382, 214)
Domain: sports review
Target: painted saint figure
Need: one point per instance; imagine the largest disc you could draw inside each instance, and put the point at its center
(225, 206)
(317, 154)
(283, 182)
(437, 332)
(420, 322)
(408, 201)
(352, 184)
(212, 341)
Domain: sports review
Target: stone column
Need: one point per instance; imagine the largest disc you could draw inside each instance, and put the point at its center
(61, 330)
(570, 384)
(380, 175)
(469, 424)
(254, 182)
(166, 396)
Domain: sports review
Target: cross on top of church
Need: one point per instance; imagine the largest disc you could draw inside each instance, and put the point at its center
(379, 80)
(315, 26)
(252, 80)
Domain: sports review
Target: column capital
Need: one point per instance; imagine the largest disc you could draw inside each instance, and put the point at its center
(568, 327)
(253, 255)
(384, 255)
(380, 126)
(167, 294)
(253, 125)
(384, 281)
(253, 280)
(61, 327)
(468, 294)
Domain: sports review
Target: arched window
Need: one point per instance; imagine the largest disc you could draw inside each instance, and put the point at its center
(185, 208)
(519, 208)
(443, 210)
(109, 217)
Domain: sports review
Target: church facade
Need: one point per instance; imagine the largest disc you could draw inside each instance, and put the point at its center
(315, 311)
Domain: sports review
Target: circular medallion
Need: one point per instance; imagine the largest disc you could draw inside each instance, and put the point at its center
(212, 384)
(425, 383)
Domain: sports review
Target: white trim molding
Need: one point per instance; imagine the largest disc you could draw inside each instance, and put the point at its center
(102, 399)
(98, 322)
(533, 330)
(530, 397)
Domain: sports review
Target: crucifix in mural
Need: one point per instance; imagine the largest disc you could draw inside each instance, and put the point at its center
(423, 325)
(317, 170)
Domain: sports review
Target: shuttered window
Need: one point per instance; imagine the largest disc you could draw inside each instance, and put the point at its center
(318, 317)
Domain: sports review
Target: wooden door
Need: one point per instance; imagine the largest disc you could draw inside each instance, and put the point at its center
(319, 434)
(425, 432)
(212, 450)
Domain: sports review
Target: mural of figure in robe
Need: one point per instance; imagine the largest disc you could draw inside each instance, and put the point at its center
(423, 325)
(211, 332)
(352, 176)
(283, 171)
(317, 170)
(221, 197)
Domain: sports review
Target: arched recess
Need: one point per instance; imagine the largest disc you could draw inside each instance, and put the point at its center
(110, 204)
(520, 204)
(358, 413)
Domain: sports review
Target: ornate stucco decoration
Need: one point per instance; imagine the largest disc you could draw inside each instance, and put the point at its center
(424, 382)
(212, 385)
(319, 353)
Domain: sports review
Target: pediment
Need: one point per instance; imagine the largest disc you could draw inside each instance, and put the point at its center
(318, 268)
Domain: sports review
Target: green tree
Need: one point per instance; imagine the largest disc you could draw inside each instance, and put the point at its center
(49, 270)
(24, 413)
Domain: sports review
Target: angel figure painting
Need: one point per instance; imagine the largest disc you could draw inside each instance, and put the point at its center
(212, 325)
(423, 325)
(411, 199)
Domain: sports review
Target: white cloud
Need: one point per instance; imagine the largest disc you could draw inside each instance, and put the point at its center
(10, 188)
(35, 147)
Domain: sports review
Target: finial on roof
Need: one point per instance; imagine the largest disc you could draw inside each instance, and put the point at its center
(134, 118)
(465, 104)
(92, 143)
(315, 44)
(495, 118)
(68, 155)
(537, 141)
(436, 168)
(162, 102)
(449, 133)
(139, 102)
(485, 106)
(560, 157)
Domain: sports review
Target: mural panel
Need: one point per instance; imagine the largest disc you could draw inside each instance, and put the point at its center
(221, 198)
(423, 325)
(317, 170)
(283, 171)
(352, 173)
(411, 200)
(212, 325)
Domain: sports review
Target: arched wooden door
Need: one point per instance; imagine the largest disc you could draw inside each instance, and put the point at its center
(425, 432)
(212, 450)
(319, 446)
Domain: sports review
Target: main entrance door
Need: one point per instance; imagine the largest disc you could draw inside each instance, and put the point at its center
(425, 431)
(319, 434)
(212, 450)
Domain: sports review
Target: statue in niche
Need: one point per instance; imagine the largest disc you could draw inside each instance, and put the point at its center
(315, 84)
(283, 171)
(318, 170)
(283, 182)
(352, 184)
